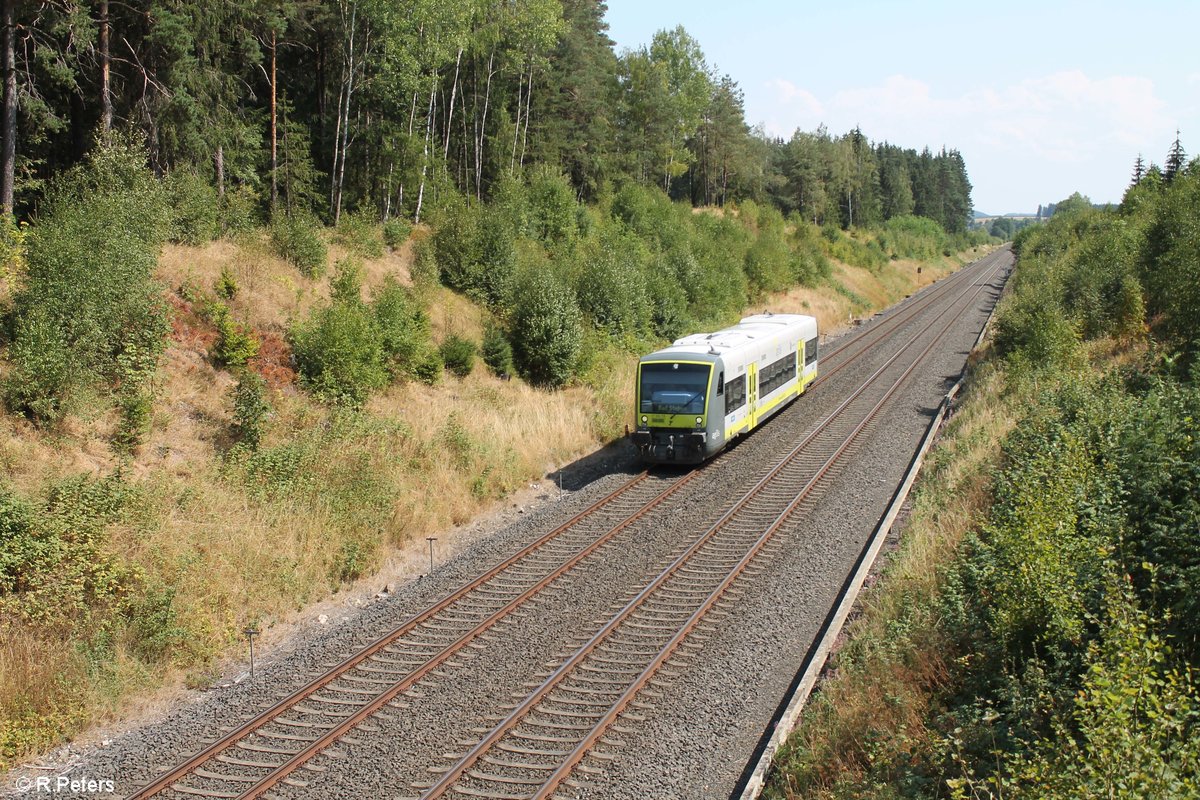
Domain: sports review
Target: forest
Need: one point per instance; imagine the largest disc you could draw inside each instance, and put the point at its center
(390, 108)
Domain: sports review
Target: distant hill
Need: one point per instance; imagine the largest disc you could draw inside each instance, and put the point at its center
(979, 215)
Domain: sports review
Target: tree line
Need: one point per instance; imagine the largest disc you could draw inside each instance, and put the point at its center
(390, 105)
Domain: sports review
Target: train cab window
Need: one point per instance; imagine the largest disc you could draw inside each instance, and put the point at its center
(673, 388)
(810, 351)
(720, 383)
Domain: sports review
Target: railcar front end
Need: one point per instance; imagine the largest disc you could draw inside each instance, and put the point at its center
(678, 420)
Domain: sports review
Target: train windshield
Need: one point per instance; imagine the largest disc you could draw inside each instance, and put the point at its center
(670, 388)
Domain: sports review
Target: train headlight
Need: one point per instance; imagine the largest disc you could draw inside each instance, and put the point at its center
(645, 420)
(699, 420)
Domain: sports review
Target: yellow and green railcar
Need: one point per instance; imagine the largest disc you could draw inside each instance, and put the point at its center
(709, 388)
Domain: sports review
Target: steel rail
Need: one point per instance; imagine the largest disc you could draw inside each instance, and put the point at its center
(290, 701)
(521, 711)
(324, 680)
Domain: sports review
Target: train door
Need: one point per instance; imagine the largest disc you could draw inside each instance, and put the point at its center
(752, 394)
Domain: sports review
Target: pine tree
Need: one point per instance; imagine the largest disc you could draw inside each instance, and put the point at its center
(1139, 171)
(1176, 159)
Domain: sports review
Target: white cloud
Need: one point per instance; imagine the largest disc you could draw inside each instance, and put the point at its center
(792, 108)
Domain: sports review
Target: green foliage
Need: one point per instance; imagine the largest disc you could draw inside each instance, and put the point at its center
(396, 231)
(1131, 729)
(403, 328)
(1160, 457)
(547, 330)
(339, 353)
(248, 399)
(297, 240)
(194, 207)
(236, 344)
(88, 295)
(359, 232)
(55, 565)
(913, 237)
(346, 284)
(428, 368)
(612, 288)
(476, 253)
(458, 354)
(227, 286)
(497, 352)
(238, 211)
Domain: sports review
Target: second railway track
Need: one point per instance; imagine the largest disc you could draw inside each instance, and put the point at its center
(383, 679)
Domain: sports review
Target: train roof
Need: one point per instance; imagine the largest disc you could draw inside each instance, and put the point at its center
(707, 346)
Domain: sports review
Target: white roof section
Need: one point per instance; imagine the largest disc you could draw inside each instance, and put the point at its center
(757, 327)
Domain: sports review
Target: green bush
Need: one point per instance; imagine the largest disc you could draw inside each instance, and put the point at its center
(458, 354)
(913, 237)
(403, 328)
(339, 354)
(612, 288)
(346, 284)
(552, 208)
(476, 252)
(248, 399)
(194, 206)
(396, 231)
(227, 286)
(239, 210)
(547, 330)
(497, 352)
(88, 294)
(44, 369)
(298, 241)
(359, 232)
(236, 344)
(428, 367)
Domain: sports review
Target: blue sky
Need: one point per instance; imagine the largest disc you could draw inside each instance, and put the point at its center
(1042, 99)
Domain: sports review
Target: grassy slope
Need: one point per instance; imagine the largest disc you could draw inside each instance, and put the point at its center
(253, 542)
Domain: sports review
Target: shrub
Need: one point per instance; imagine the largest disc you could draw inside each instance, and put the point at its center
(552, 208)
(88, 294)
(227, 286)
(612, 288)
(346, 285)
(44, 369)
(238, 210)
(396, 231)
(403, 328)
(359, 233)
(497, 352)
(547, 330)
(458, 354)
(428, 366)
(236, 344)
(194, 207)
(476, 252)
(250, 409)
(339, 354)
(297, 241)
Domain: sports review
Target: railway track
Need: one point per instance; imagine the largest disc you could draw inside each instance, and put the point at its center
(539, 746)
(269, 749)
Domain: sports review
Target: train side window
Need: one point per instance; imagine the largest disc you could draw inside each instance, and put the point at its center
(721, 383)
(810, 351)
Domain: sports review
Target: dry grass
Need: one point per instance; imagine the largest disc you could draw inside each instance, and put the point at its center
(419, 460)
(874, 705)
(881, 289)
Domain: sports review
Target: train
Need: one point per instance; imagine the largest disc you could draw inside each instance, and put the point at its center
(707, 389)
